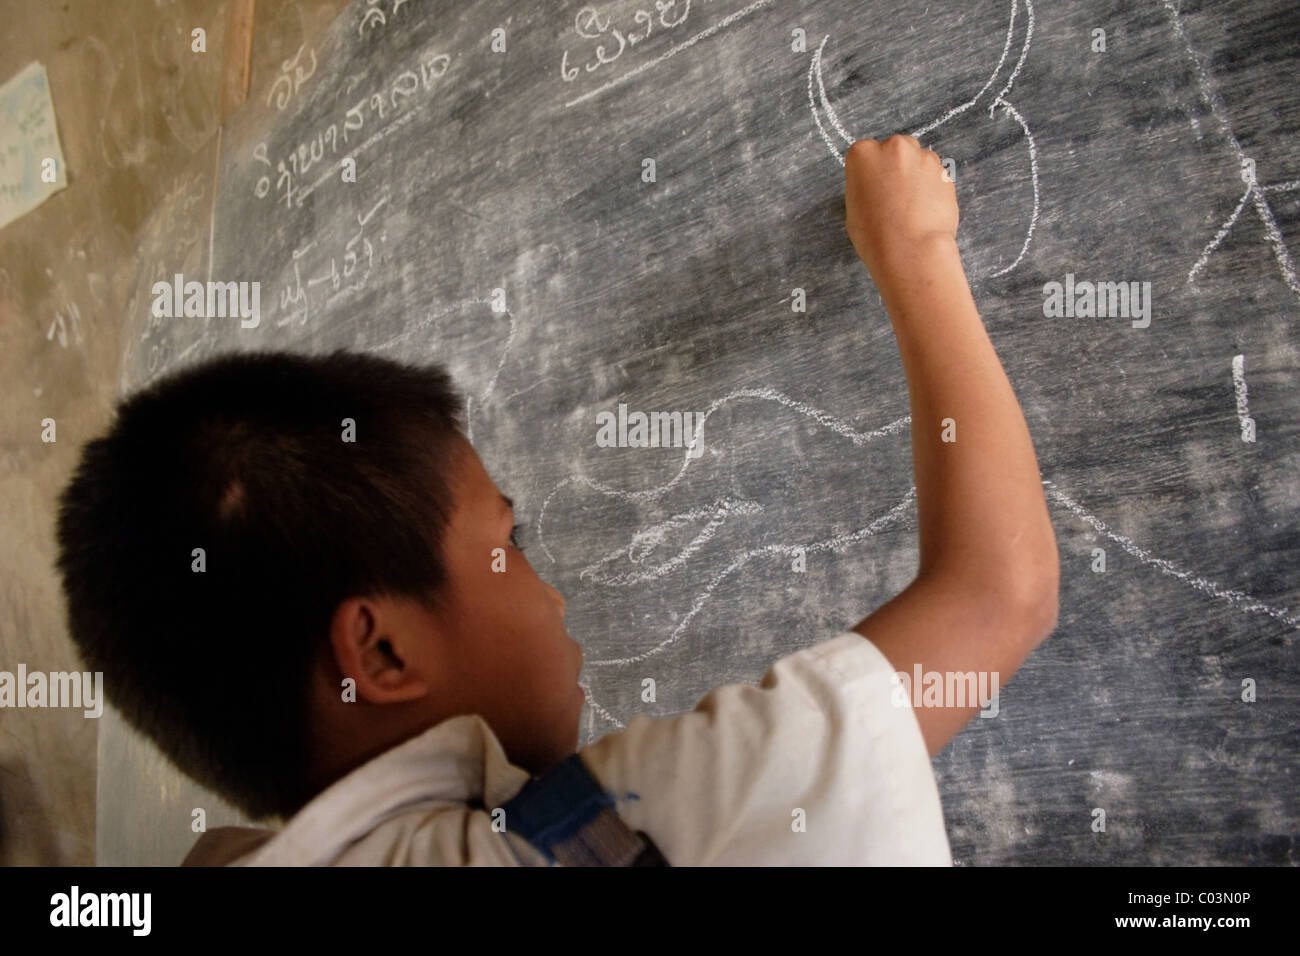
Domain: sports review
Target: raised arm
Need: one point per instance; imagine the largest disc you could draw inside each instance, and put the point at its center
(985, 593)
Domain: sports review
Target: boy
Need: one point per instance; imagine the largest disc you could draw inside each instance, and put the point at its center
(314, 627)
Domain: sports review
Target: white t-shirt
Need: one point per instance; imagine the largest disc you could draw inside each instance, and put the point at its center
(817, 765)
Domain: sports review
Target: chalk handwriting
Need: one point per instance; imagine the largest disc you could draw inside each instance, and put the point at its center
(373, 18)
(292, 76)
(358, 243)
(358, 258)
(385, 102)
(293, 301)
(589, 25)
(61, 325)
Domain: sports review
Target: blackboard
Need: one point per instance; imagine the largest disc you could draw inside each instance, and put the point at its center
(504, 221)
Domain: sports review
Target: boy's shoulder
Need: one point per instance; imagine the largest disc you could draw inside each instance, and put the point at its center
(821, 763)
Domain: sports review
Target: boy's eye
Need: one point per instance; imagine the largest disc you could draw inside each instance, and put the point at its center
(515, 537)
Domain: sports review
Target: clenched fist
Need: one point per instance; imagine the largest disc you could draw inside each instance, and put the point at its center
(897, 198)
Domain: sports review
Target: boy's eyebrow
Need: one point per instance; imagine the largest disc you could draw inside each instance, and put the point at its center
(507, 501)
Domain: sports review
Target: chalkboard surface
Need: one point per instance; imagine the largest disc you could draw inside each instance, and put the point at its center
(640, 205)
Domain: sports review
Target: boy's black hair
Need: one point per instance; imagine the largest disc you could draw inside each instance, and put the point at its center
(244, 456)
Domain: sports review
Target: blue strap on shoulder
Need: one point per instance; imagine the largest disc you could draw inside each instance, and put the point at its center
(572, 821)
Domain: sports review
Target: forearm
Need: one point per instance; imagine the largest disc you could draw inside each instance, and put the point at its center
(982, 513)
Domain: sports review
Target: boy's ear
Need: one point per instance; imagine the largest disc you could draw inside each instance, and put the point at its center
(378, 642)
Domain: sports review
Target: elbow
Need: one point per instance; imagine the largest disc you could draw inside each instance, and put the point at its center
(1034, 589)
(1033, 597)
(1045, 613)
(1022, 594)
